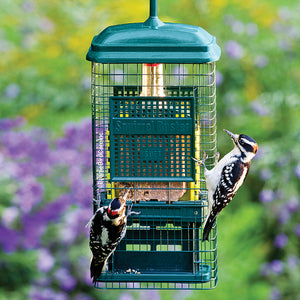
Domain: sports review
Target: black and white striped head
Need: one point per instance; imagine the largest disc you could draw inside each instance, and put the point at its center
(116, 208)
(247, 145)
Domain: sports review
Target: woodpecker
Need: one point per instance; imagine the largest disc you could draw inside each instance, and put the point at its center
(226, 177)
(107, 228)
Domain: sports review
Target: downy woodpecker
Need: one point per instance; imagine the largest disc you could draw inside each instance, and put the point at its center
(226, 177)
(107, 228)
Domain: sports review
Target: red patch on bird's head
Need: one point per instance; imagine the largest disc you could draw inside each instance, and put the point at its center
(112, 212)
(255, 148)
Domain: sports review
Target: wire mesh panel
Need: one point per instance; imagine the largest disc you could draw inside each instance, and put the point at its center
(147, 126)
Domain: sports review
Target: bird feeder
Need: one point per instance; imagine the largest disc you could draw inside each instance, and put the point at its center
(154, 108)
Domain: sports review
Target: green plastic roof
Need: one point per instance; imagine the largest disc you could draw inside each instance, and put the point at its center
(154, 42)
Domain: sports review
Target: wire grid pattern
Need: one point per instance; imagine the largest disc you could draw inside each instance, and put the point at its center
(173, 237)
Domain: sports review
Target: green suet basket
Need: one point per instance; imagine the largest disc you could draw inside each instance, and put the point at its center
(153, 109)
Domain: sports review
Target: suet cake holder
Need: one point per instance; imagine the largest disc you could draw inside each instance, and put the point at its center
(153, 109)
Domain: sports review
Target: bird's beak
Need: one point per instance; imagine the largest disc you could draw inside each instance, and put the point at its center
(124, 198)
(232, 135)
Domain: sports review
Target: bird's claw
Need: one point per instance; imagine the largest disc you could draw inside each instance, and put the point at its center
(97, 202)
(202, 161)
(205, 157)
(217, 156)
(130, 212)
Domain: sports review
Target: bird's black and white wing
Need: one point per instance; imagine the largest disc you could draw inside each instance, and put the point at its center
(104, 238)
(98, 246)
(232, 177)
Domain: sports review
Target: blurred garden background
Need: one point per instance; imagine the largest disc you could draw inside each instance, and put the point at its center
(45, 144)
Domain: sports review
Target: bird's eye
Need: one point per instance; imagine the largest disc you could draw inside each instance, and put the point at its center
(241, 142)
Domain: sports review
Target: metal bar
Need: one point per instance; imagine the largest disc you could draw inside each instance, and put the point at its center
(153, 8)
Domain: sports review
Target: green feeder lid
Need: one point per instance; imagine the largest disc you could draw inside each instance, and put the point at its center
(153, 42)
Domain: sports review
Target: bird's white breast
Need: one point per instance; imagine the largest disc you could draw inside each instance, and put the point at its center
(213, 176)
(104, 236)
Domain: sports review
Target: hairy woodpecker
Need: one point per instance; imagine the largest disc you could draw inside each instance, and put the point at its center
(107, 228)
(226, 177)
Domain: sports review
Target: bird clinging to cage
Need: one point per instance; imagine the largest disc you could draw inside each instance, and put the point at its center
(224, 180)
(107, 228)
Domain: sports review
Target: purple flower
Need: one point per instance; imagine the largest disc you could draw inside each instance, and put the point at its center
(29, 194)
(293, 261)
(37, 293)
(87, 278)
(275, 294)
(33, 229)
(150, 295)
(28, 6)
(9, 239)
(235, 110)
(260, 109)
(67, 235)
(237, 27)
(276, 266)
(66, 281)
(297, 171)
(293, 32)
(82, 297)
(265, 174)
(17, 144)
(283, 215)
(126, 296)
(265, 270)
(252, 29)
(46, 25)
(52, 211)
(7, 124)
(284, 44)
(280, 240)
(182, 294)
(284, 13)
(9, 215)
(293, 204)
(297, 230)
(234, 49)
(266, 196)
(45, 260)
(75, 222)
(12, 91)
(219, 78)
(76, 136)
(261, 61)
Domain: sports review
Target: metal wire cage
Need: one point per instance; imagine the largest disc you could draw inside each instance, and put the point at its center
(148, 121)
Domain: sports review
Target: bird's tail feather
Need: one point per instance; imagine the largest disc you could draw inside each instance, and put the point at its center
(96, 269)
(209, 222)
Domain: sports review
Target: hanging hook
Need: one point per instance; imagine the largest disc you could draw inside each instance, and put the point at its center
(153, 8)
(153, 21)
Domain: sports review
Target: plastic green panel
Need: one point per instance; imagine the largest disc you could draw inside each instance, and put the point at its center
(152, 138)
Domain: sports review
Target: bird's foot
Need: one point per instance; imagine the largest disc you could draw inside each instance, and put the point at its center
(130, 212)
(97, 202)
(202, 161)
(217, 156)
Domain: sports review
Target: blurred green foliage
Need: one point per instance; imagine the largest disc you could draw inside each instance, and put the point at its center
(45, 78)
